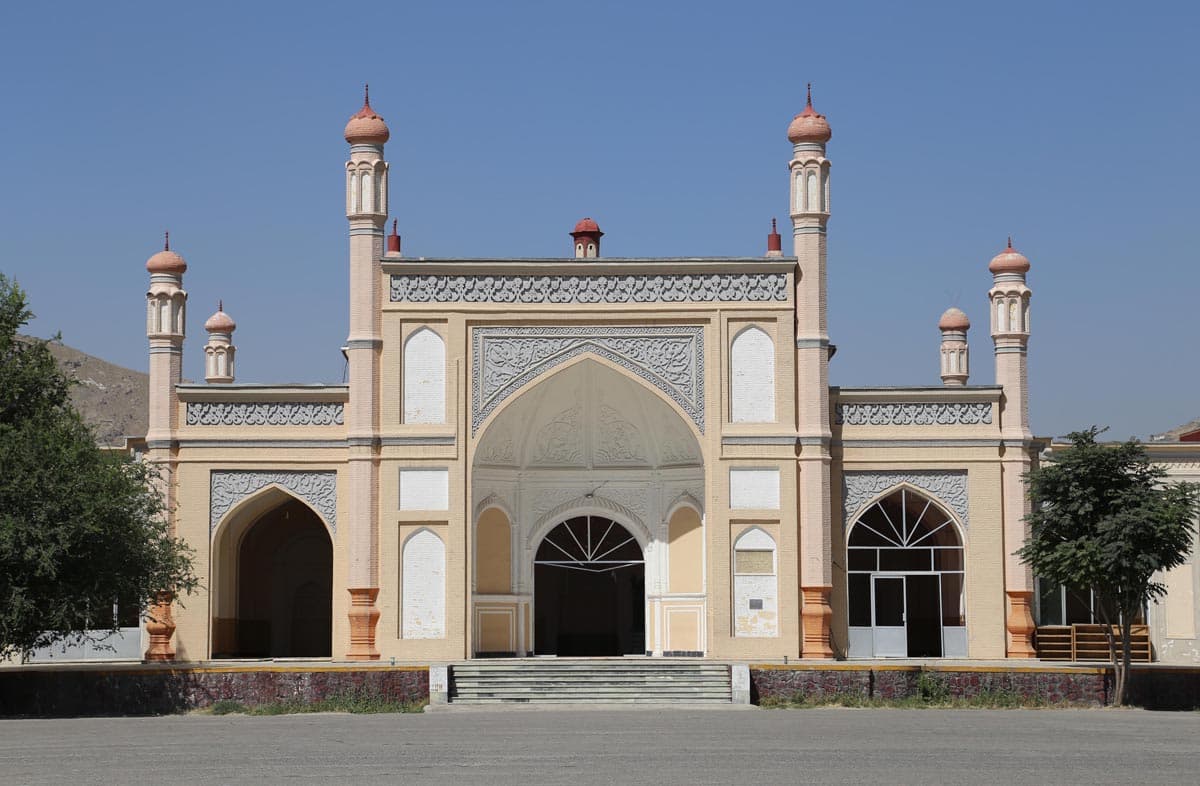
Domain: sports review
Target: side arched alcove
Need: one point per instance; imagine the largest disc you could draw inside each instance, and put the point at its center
(271, 579)
(592, 444)
(906, 574)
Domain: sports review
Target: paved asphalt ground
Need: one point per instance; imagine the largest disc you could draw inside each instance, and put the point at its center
(613, 747)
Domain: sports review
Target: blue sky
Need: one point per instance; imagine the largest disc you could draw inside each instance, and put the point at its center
(1071, 126)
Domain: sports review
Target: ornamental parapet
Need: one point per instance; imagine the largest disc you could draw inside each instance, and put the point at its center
(928, 412)
(272, 408)
(566, 283)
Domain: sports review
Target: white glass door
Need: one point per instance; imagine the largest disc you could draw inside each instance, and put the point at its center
(888, 617)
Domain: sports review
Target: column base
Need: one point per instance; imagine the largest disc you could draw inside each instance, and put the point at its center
(364, 616)
(1020, 624)
(160, 626)
(815, 617)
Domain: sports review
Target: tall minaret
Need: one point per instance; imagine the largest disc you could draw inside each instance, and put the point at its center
(219, 349)
(366, 210)
(956, 367)
(1009, 300)
(809, 174)
(166, 305)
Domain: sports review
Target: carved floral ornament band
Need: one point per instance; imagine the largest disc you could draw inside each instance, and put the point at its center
(947, 488)
(267, 413)
(659, 288)
(968, 413)
(229, 487)
(503, 359)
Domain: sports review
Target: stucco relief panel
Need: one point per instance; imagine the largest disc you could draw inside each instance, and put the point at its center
(948, 488)
(663, 288)
(506, 358)
(915, 414)
(229, 487)
(264, 413)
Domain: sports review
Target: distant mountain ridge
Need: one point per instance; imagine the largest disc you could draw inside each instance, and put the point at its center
(115, 401)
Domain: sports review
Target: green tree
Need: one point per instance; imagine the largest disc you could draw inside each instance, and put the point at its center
(80, 528)
(1103, 519)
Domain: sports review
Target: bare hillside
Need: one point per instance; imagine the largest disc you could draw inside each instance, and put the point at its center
(112, 399)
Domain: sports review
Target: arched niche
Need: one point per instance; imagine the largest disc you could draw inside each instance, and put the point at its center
(752, 377)
(272, 580)
(424, 377)
(423, 586)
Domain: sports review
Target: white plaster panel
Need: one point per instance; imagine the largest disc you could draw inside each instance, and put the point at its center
(755, 623)
(424, 378)
(754, 489)
(1179, 603)
(752, 377)
(424, 489)
(423, 591)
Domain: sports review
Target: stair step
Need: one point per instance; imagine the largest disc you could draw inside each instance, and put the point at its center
(590, 682)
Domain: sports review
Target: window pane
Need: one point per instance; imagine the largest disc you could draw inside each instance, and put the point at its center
(953, 613)
(1079, 607)
(947, 559)
(859, 585)
(905, 559)
(1049, 603)
(861, 559)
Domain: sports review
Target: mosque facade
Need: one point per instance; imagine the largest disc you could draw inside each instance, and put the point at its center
(595, 456)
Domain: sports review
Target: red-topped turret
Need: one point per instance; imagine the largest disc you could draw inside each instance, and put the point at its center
(587, 236)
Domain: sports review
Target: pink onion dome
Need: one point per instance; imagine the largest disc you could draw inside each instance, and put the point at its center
(220, 322)
(809, 125)
(1009, 261)
(954, 319)
(585, 225)
(366, 127)
(166, 261)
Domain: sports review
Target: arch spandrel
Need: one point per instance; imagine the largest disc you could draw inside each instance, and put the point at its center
(233, 492)
(506, 359)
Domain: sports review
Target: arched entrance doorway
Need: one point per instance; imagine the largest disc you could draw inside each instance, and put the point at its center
(588, 439)
(589, 590)
(905, 572)
(276, 589)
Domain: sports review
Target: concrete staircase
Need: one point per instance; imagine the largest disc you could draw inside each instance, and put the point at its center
(571, 681)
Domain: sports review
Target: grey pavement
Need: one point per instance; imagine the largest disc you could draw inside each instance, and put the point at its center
(662, 746)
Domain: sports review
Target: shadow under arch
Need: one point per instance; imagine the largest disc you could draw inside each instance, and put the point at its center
(272, 579)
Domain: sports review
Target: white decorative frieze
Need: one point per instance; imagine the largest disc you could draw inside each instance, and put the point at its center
(316, 489)
(922, 413)
(264, 413)
(506, 358)
(949, 488)
(655, 288)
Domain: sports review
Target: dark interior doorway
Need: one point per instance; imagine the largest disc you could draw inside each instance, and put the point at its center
(589, 590)
(284, 588)
(923, 610)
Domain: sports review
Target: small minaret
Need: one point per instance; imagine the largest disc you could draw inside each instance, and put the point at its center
(774, 242)
(808, 174)
(366, 213)
(219, 351)
(955, 352)
(166, 322)
(1009, 298)
(1009, 302)
(587, 236)
(165, 327)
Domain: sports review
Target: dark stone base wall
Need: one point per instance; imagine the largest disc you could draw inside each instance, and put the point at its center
(155, 691)
(1154, 688)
